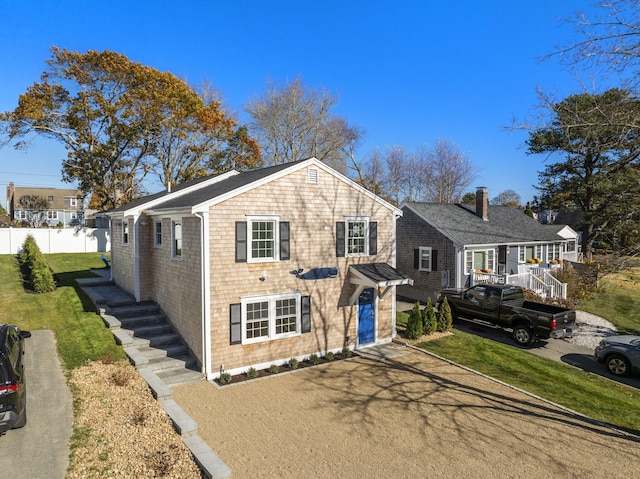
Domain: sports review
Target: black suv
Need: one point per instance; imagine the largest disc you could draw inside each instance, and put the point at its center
(13, 390)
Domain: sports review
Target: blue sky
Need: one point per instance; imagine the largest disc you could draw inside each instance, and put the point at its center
(408, 72)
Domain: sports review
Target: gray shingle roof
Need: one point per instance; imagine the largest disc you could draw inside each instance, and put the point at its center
(226, 186)
(506, 225)
(205, 193)
(381, 273)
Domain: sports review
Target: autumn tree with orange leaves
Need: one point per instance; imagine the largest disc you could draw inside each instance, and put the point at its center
(119, 120)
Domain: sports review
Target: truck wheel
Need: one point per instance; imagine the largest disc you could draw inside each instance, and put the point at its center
(522, 335)
(618, 365)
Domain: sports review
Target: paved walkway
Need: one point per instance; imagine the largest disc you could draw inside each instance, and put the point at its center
(40, 450)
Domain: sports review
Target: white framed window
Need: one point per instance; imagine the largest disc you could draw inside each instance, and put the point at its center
(478, 260)
(21, 215)
(176, 239)
(263, 235)
(529, 253)
(52, 215)
(157, 234)
(125, 232)
(357, 236)
(270, 317)
(74, 215)
(73, 202)
(424, 258)
(554, 251)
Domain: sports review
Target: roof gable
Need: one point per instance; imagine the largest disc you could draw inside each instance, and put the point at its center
(201, 199)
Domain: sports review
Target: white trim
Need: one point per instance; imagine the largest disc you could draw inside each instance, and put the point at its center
(276, 237)
(174, 254)
(420, 250)
(286, 171)
(356, 219)
(136, 257)
(173, 195)
(206, 296)
(157, 244)
(271, 299)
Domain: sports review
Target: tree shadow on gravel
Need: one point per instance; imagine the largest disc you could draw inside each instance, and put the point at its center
(375, 386)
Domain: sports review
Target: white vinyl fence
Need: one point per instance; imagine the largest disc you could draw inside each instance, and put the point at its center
(56, 240)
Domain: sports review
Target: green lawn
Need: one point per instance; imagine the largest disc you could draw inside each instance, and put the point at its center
(618, 301)
(80, 333)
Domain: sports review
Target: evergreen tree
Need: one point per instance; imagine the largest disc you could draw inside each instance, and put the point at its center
(429, 320)
(445, 320)
(414, 324)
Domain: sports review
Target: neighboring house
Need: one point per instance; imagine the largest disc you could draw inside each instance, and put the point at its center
(454, 245)
(258, 267)
(65, 206)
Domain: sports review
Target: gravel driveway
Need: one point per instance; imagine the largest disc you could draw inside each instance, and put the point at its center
(413, 416)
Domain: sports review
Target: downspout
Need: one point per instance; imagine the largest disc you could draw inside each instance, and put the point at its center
(205, 294)
(111, 249)
(394, 331)
(136, 259)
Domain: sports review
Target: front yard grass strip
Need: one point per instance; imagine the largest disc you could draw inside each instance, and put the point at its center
(580, 391)
(80, 334)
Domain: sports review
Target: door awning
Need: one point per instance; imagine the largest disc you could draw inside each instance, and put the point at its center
(380, 276)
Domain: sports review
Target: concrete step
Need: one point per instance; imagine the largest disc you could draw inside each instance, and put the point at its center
(173, 364)
(147, 319)
(156, 340)
(134, 309)
(172, 350)
(151, 330)
(174, 378)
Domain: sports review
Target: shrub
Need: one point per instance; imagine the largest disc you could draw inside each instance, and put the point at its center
(330, 356)
(346, 352)
(444, 318)
(414, 323)
(225, 378)
(293, 363)
(41, 277)
(429, 320)
(314, 359)
(38, 270)
(274, 369)
(252, 373)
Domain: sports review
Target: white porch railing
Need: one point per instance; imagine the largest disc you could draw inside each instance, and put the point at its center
(538, 280)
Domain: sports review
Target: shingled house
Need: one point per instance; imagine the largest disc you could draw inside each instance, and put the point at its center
(456, 245)
(255, 268)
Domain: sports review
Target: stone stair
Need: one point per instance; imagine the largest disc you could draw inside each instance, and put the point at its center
(148, 339)
(155, 340)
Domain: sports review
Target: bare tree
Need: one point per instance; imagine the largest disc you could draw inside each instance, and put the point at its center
(507, 198)
(610, 39)
(447, 172)
(294, 122)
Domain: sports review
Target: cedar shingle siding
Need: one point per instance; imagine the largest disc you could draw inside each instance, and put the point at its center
(306, 213)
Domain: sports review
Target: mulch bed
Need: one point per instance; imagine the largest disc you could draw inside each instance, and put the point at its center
(263, 373)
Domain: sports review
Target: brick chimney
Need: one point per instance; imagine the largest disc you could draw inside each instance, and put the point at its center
(482, 203)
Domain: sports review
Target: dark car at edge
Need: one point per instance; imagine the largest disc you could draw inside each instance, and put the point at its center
(13, 389)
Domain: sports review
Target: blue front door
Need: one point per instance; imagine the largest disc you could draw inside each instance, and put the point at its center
(366, 317)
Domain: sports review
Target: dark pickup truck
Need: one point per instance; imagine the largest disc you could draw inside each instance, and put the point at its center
(504, 305)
